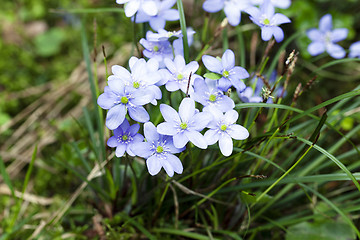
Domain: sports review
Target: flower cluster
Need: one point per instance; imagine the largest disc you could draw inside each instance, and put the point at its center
(205, 115)
(128, 91)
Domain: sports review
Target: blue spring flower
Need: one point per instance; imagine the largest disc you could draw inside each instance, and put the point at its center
(206, 93)
(232, 8)
(276, 3)
(164, 13)
(158, 151)
(325, 37)
(231, 75)
(133, 6)
(124, 137)
(223, 129)
(268, 21)
(119, 99)
(186, 125)
(178, 74)
(354, 50)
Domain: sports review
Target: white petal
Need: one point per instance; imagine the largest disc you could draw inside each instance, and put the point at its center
(226, 145)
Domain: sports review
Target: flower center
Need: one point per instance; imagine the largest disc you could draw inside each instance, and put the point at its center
(223, 127)
(156, 48)
(225, 73)
(212, 98)
(180, 76)
(266, 21)
(183, 125)
(124, 100)
(159, 149)
(136, 84)
(124, 137)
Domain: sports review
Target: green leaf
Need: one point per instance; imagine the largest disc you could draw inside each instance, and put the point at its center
(328, 230)
(212, 76)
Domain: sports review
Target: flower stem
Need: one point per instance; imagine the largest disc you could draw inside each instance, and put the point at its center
(183, 30)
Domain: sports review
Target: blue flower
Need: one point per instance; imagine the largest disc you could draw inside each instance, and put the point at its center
(248, 96)
(164, 13)
(354, 50)
(223, 129)
(268, 21)
(231, 75)
(178, 43)
(325, 37)
(186, 125)
(209, 95)
(158, 151)
(124, 137)
(132, 7)
(144, 76)
(276, 3)
(119, 99)
(178, 74)
(232, 8)
(157, 49)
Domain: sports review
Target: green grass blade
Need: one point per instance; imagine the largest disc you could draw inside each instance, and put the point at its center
(6, 177)
(182, 233)
(183, 30)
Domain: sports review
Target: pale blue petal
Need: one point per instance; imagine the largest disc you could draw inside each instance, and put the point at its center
(187, 109)
(179, 62)
(266, 33)
(233, 14)
(167, 4)
(211, 136)
(120, 150)
(175, 163)
(213, 5)
(224, 84)
(124, 126)
(316, 48)
(153, 165)
(314, 34)
(142, 97)
(112, 142)
(139, 114)
(106, 100)
(167, 128)
(172, 86)
(201, 120)
(238, 132)
(212, 64)
(116, 86)
(279, 18)
(157, 23)
(225, 104)
(217, 114)
(339, 34)
(150, 132)
(231, 116)
(325, 23)
(180, 140)
(171, 15)
(131, 8)
(254, 12)
(191, 67)
(149, 7)
(121, 72)
(197, 139)
(169, 114)
(278, 34)
(226, 145)
(335, 51)
(115, 116)
(141, 149)
(228, 59)
(133, 129)
(170, 65)
(267, 9)
(167, 166)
